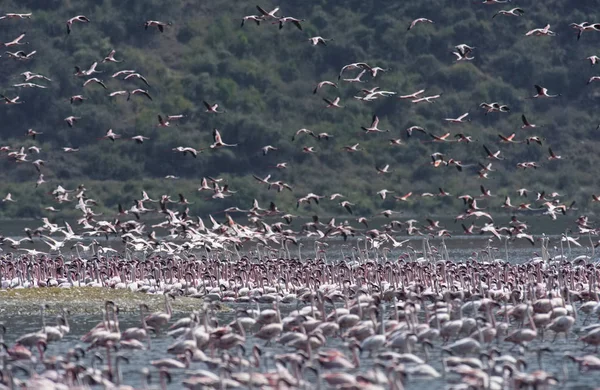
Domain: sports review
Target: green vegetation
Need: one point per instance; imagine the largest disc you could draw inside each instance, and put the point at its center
(264, 78)
(86, 300)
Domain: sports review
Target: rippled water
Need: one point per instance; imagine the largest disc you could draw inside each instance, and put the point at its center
(80, 324)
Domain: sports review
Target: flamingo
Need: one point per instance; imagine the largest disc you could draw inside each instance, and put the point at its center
(139, 91)
(428, 99)
(593, 60)
(139, 139)
(373, 128)
(71, 120)
(16, 16)
(384, 169)
(552, 155)
(286, 19)
(268, 15)
(218, 142)
(110, 134)
(335, 103)
(319, 40)
(322, 84)
(110, 57)
(136, 75)
(78, 18)
(418, 20)
(16, 41)
(155, 23)
(511, 12)
(160, 319)
(460, 119)
(254, 18)
(94, 80)
(543, 92)
(212, 108)
(541, 31)
(15, 100)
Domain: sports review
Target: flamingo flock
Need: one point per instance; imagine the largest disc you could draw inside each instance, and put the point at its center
(363, 321)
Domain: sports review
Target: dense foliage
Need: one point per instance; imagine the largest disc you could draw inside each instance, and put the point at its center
(264, 78)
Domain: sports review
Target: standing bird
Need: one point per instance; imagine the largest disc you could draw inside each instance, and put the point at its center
(78, 18)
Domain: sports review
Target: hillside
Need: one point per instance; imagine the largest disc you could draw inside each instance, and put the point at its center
(263, 77)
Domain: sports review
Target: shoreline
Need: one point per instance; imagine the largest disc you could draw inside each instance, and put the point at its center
(80, 300)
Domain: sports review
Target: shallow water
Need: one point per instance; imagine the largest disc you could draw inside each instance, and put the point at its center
(80, 324)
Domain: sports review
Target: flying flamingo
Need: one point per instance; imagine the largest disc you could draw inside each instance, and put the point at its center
(541, 31)
(16, 16)
(286, 19)
(319, 41)
(111, 57)
(543, 92)
(16, 41)
(218, 142)
(254, 18)
(373, 128)
(419, 20)
(136, 75)
(155, 23)
(110, 134)
(78, 18)
(140, 92)
(552, 155)
(268, 15)
(94, 80)
(335, 103)
(322, 84)
(460, 119)
(71, 120)
(412, 95)
(212, 108)
(15, 100)
(512, 12)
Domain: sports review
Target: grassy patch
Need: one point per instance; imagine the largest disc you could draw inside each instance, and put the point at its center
(85, 300)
